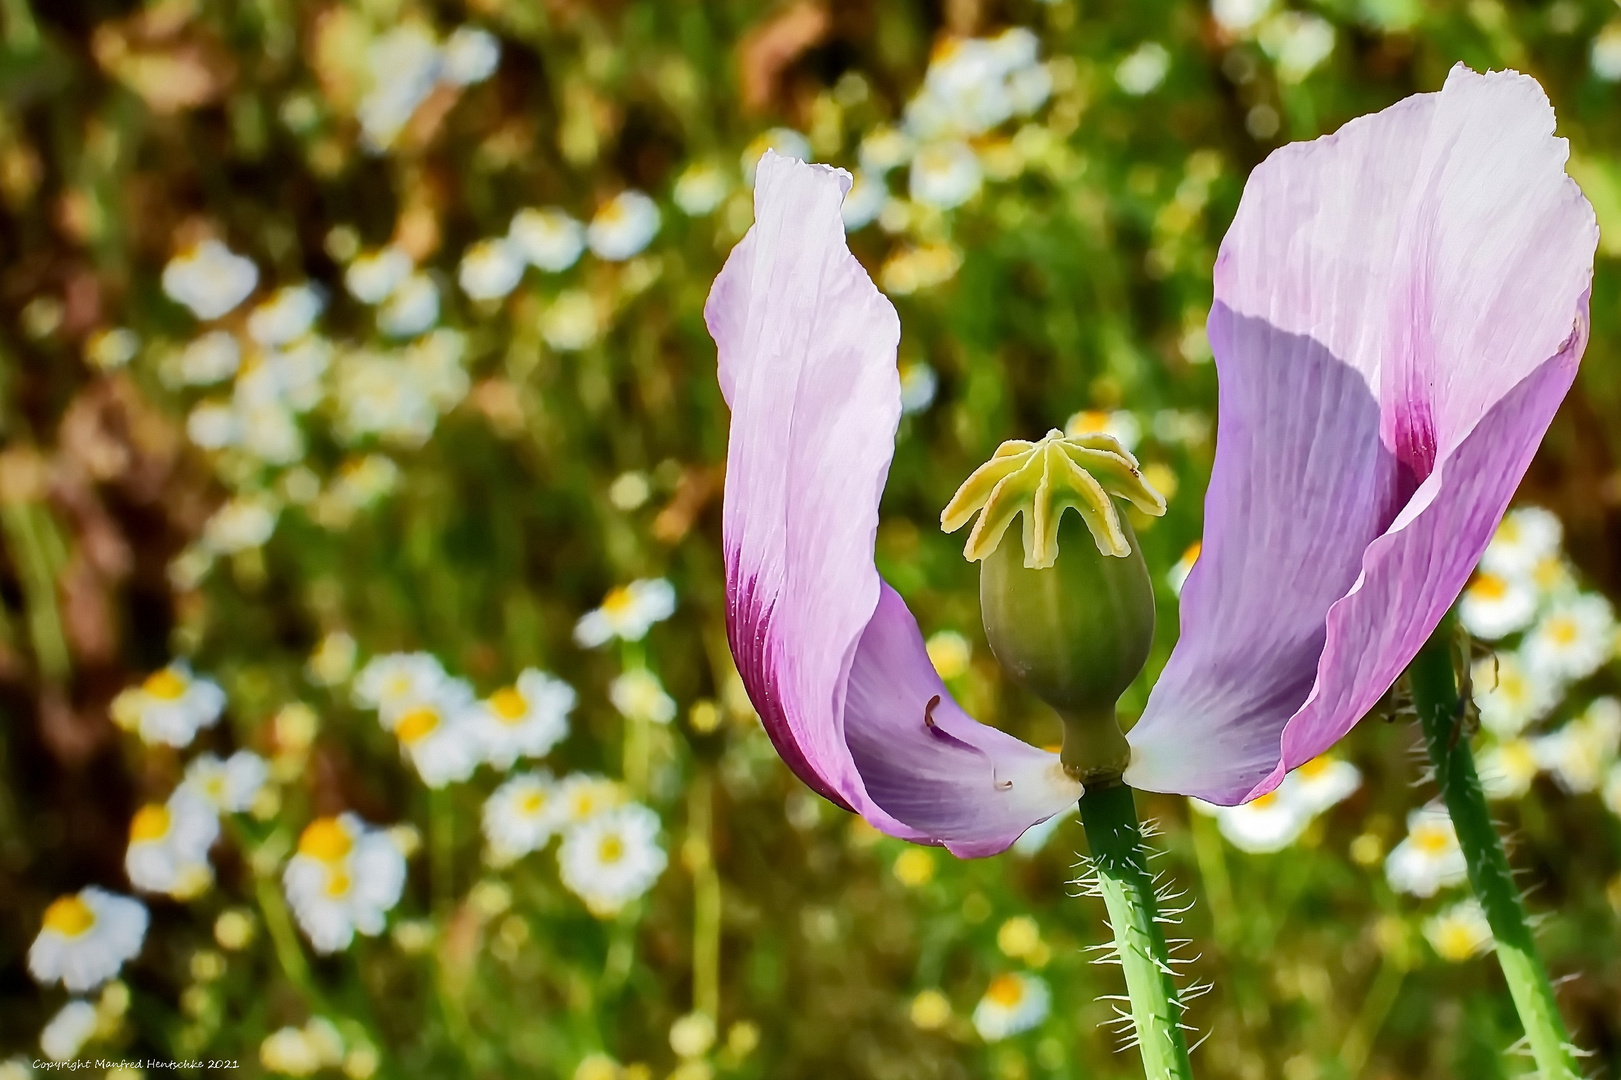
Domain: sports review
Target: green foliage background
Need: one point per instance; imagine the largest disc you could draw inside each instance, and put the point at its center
(1083, 284)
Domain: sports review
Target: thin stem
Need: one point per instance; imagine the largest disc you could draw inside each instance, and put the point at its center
(706, 899)
(1120, 861)
(1440, 714)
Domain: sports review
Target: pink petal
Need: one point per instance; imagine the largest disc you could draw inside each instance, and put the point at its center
(1399, 310)
(807, 364)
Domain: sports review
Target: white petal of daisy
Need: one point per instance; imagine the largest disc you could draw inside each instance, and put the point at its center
(1240, 17)
(169, 842)
(1428, 859)
(86, 937)
(405, 63)
(1029, 88)
(1510, 695)
(1178, 574)
(391, 682)
(1141, 72)
(490, 269)
(213, 425)
(612, 858)
(572, 321)
(209, 359)
(243, 523)
(583, 796)
(1526, 536)
(286, 316)
(66, 1033)
(1266, 824)
(471, 55)
(866, 197)
(522, 815)
(638, 695)
(169, 706)
(700, 188)
(230, 785)
(945, 175)
(1297, 42)
(1325, 781)
(439, 736)
(624, 226)
(411, 309)
(883, 149)
(919, 384)
(1612, 790)
(526, 719)
(1493, 607)
(785, 141)
(1507, 769)
(289, 1052)
(626, 613)
(1459, 932)
(210, 279)
(1606, 53)
(373, 276)
(1015, 1002)
(1579, 754)
(549, 239)
(1573, 639)
(343, 879)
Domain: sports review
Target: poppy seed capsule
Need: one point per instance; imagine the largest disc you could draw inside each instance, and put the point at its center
(1075, 631)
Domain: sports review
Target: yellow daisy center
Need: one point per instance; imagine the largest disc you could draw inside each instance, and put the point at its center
(611, 850)
(1432, 839)
(417, 724)
(337, 884)
(618, 602)
(325, 839)
(151, 822)
(1006, 991)
(69, 916)
(1489, 587)
(1562, 630)
(166, 685)
(509, 705)
(1263, 801)
(1454, 940)
(532, 803)
(1316, 767)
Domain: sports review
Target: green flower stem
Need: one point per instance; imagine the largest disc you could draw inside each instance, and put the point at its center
(1440, 713)
(441, 854)
(1120, 860)
(289, 954)
(706, 898)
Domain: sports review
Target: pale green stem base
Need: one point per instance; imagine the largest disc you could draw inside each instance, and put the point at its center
(1121, 863)
(1440, 714)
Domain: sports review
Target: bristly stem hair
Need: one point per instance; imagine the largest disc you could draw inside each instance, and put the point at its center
(1120, 862)
(1441, 715)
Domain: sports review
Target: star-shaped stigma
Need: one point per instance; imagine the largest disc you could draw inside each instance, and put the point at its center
(1041, 480)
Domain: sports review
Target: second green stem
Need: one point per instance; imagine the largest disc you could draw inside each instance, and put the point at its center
(1120, 860)
(1440, 714)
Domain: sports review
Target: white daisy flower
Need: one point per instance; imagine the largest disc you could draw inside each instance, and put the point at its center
(1606, 53)
(374, 275)
(1428, 859)
(612, 858)
(1553, 577)
(490, 269)
(1015, 1002)
(1493, 607)
(1525, 537)
(392, 682)
(243, 523)
(359, 483)
(333, 660)
(289, 1052)
(965, 91)
(286, 316)
(1265, 824)
(405, 63)
(211, 358)
(210, 279)
(885, 148)
(548, 239)
(213, 425)
(1121, 425)
(627, 613)
(1510, 695)
(270, 433)
(1579, 754)
(1143, 71)
(169, 706)
(784, 141)
(435, 363)
(526, 719)
(624, 226)
(67, 1032)
(1459, 932)
(169, 842)
(112, 348)
(1240, 17)
(471, 55)
(1325, 782)
(919, 384)
(638, 695)
(437, 735)
(866, 197)
(1574, 639)
(1612, 790)
(582, 796)
(86, 937)
(231, 785)
(411, 309)
(290, 377)
(344, 878)
(571, 322)
(1297, 42)
(945, 175)
(1177, 576)
(1029, 88)
(1507, 769)
(699, 189)
(522, 815)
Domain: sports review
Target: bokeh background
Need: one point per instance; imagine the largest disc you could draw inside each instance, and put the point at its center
(453, 436)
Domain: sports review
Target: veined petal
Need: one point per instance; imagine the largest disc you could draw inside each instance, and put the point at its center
(807, 364)
(1400, 308)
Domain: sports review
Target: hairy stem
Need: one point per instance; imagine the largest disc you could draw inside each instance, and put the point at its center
(1440, 713)
(1121, 863)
